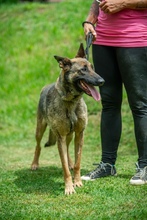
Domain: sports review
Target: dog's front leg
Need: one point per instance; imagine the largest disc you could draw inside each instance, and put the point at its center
(62, 147)
(78, 151)
(68, 140)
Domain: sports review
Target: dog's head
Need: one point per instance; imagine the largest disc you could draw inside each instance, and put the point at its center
(78, 75)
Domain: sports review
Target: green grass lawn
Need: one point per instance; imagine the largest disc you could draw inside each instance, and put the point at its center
(30, 35)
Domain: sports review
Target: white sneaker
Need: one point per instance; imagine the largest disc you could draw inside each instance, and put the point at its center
(140, 178)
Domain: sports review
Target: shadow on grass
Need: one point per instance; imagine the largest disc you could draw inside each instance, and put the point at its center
(124, 176)
(45, 180)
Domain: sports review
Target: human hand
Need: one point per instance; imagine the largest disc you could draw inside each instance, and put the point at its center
(89, 28)
(112, 6)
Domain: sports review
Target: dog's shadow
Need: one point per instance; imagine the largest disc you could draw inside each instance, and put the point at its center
(48, 180)
(45, 180)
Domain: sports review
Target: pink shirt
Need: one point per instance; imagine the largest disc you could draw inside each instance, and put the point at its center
(127, 28)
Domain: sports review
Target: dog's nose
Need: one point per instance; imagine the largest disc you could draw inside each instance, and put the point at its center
(101, 82)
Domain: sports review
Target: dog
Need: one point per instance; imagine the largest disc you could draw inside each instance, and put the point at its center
(61, 106)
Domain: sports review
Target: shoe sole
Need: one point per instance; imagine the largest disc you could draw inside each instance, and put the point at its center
(138, 183)
(89, 179)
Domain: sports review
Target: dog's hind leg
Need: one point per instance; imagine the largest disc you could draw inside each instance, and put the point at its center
(40, 129)
(51, 139)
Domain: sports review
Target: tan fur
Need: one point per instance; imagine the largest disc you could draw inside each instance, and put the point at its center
(62, 107)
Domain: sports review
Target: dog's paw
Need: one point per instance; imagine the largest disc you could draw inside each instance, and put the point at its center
(34, 166)
(69, 189)
(78, 183)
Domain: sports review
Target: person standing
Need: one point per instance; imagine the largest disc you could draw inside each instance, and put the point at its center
(119, 50)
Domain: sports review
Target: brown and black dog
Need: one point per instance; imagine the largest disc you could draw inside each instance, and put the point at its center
(62, 107)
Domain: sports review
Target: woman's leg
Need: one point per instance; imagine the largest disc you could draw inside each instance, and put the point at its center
(133, 67)
(105, 63)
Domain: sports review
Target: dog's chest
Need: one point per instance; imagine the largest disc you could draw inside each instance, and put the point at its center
(68, 118)
(76, 116)
(71, 118)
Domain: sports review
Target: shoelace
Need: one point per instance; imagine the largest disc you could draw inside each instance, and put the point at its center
(101, 166)
(141, 172)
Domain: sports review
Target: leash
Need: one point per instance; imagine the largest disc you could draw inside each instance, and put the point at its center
(89, 39)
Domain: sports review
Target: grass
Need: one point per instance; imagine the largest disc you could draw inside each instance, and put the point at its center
(31, 34)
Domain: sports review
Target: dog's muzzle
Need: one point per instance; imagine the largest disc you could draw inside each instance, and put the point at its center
(101, 82)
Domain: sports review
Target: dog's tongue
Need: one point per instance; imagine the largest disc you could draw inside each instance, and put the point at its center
(94, 93)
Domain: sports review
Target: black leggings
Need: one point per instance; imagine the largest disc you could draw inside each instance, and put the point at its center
(119, 66)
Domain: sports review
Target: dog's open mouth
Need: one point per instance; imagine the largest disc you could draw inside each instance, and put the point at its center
(90, 90)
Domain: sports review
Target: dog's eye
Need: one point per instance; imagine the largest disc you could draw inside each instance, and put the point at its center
(84, 69)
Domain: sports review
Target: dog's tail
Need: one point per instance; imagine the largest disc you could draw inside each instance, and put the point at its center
(51, 139)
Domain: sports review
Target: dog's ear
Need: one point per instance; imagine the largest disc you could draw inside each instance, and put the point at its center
(81, 52)
(64, 62)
